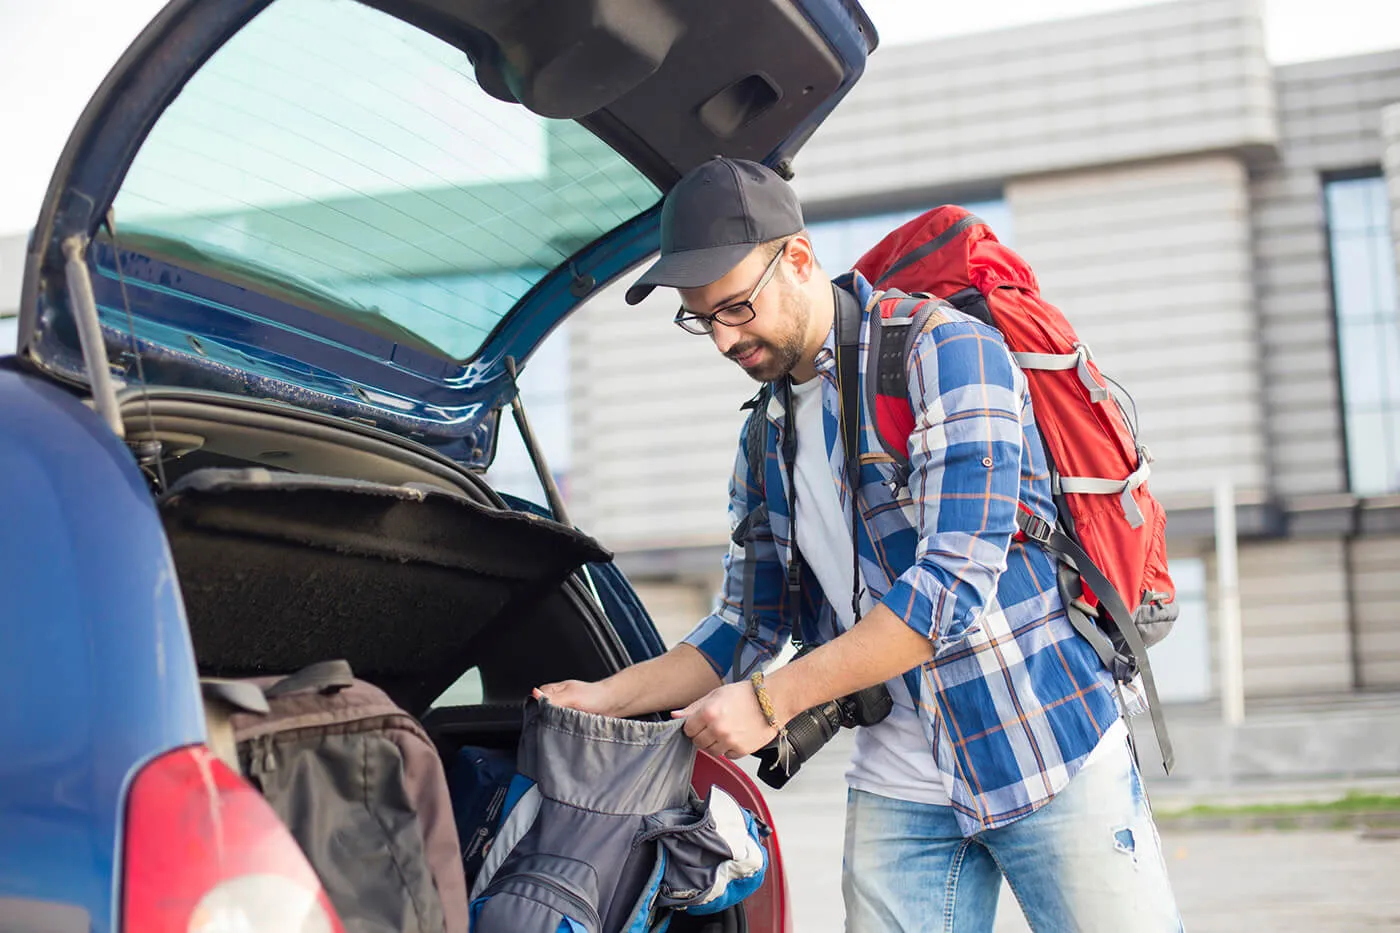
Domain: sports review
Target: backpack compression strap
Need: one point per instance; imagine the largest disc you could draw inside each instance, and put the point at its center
(1068, 550)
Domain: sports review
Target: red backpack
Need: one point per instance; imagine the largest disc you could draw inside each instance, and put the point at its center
(1111, 535)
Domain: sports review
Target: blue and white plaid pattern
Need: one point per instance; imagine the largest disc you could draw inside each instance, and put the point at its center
(1013, 700)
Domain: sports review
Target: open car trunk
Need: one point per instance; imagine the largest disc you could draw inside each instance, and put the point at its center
(413, 585)
(425, 582)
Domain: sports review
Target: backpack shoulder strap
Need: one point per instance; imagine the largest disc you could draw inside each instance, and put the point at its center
(896, 321)
(756, 434)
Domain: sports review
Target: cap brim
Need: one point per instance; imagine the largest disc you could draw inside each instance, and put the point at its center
(691, 268)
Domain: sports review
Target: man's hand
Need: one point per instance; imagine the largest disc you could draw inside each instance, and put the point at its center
(585, 696)
(727, 721)
(678, 676)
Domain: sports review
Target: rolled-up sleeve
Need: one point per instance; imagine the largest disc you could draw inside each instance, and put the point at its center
(965, 462)
(758, 631)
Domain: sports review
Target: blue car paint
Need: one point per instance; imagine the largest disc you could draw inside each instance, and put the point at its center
(96, 660)
(101, 149)
(97, 668)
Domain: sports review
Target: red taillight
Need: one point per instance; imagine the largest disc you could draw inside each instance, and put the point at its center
(206, 854)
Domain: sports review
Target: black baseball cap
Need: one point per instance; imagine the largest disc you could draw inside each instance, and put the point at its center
(714, 217)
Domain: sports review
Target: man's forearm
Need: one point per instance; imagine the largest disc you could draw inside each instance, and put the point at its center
(676, 679)
(878, 647)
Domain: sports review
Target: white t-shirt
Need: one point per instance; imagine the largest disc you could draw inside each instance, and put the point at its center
(892, 758)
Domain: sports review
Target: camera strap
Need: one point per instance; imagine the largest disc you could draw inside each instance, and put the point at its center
(847, 313)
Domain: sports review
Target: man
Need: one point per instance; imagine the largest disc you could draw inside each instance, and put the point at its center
(1004, 753)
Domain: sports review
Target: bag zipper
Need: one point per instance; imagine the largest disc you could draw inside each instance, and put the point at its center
(588, 909)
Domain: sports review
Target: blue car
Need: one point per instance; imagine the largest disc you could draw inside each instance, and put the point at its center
(314, 241)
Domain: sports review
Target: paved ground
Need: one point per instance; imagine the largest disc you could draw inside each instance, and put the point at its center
(1282, 881)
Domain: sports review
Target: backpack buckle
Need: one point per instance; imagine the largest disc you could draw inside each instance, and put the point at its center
(1036, 528)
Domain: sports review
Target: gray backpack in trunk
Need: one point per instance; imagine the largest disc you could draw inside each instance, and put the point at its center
(362, 788)
(601, 832)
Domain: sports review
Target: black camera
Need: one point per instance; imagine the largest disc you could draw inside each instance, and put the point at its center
(812, 728)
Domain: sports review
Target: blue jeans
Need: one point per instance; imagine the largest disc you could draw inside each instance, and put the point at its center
(1090, 860)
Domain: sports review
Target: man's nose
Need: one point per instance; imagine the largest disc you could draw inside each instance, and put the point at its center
(725, 337)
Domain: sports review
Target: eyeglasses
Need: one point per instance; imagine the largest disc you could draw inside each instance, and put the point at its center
(734, 315)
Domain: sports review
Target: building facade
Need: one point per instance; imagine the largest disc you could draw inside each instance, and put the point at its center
(1221, 232)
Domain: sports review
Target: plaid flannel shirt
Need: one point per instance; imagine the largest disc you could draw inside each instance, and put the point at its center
(1013, 700)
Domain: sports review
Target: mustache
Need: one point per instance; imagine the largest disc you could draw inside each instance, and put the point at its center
(741, 349)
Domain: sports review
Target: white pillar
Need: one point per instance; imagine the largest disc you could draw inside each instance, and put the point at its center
(1227, 584)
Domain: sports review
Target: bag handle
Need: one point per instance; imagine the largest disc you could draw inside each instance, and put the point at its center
(323, 677)
(927, 249)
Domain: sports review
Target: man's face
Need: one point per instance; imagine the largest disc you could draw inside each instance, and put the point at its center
(771, 344)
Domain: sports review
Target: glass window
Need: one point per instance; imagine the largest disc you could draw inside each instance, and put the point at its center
(839, 243)
(9, 335)
(337, 155)
(1181, 661)
(465, 691)
(544, 391)
(1368, 329)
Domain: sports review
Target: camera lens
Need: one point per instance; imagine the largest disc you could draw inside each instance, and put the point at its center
(807, 732)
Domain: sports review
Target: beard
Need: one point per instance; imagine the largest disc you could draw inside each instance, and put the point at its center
(785, 349)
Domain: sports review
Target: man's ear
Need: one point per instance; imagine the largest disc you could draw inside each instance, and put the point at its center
(802, 257)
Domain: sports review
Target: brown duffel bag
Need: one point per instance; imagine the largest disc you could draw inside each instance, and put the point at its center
(362, 789)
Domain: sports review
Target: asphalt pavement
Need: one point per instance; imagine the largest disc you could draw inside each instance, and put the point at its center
(1230, 879)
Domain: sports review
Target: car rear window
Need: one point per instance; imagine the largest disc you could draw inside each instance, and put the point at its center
(336, 156)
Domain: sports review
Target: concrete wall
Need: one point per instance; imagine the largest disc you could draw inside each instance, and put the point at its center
(1293, 597)
(1375, 567)
(1294, 614)
(655, 415)
(656, 425)
(1151, 263)
(1329, 115)
(11, 277)
(1151, 82)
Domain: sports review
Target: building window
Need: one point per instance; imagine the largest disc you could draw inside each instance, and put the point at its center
(1368, 330)
(1181, 661)
(839, 243)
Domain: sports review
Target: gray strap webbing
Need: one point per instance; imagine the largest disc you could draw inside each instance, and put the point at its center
(1100, 642)
(1067, 549)
(750, 614)
(1123, 488)
(1078, 360)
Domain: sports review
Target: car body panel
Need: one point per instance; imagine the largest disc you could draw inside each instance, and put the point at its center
(97, 659)
(98, 668)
